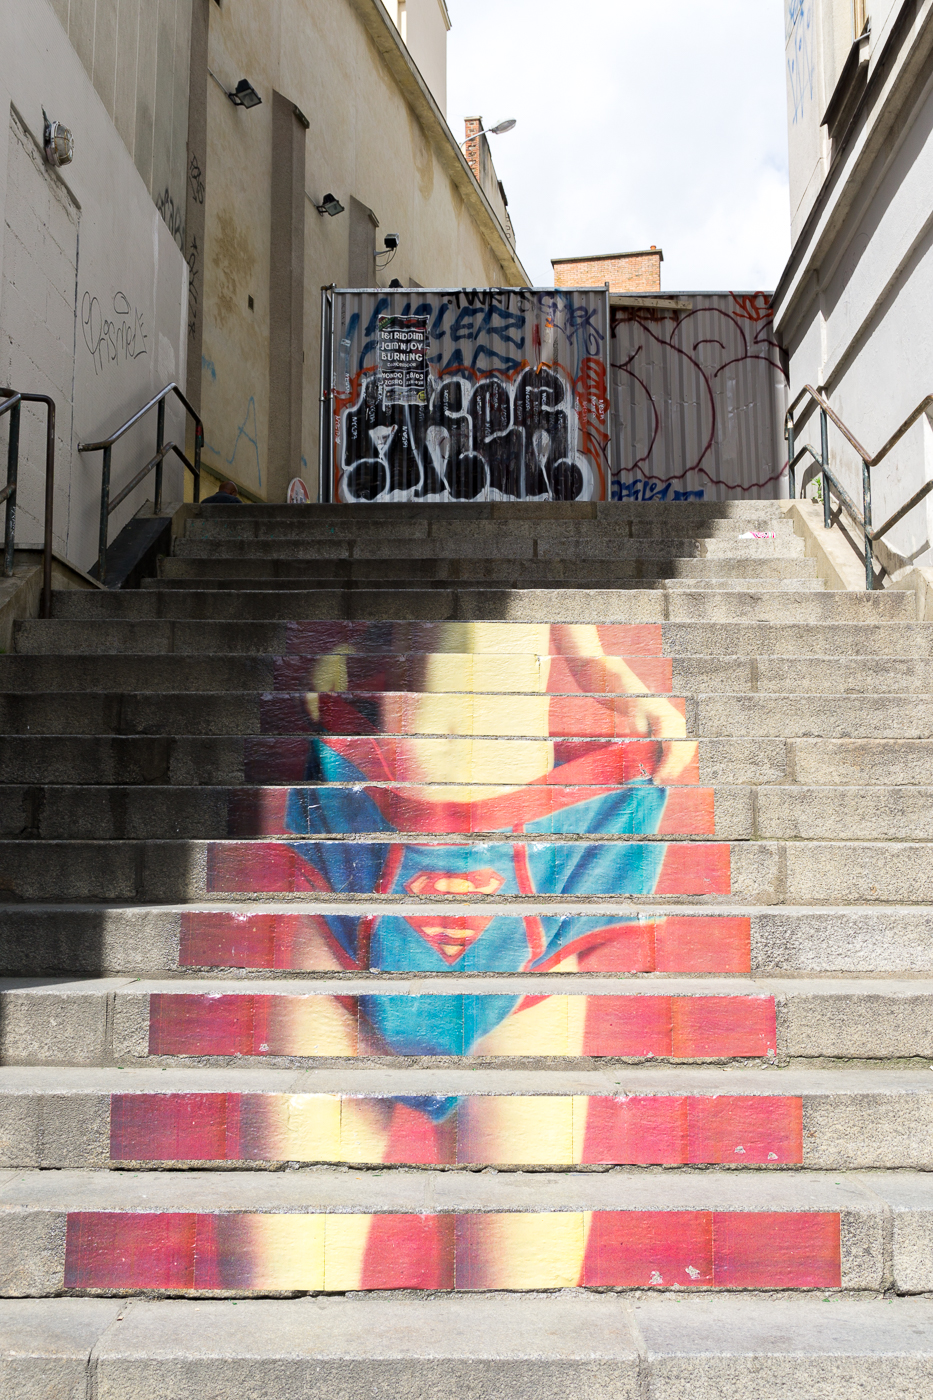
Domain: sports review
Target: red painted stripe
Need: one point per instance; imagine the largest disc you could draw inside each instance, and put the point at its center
(723, 1027)
(714, 943)
(171, 1127)
(689, 812)
(645, 1249)
(764, 1249)
(696, 870)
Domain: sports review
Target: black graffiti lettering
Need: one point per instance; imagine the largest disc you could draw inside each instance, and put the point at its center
(502, 438)
(115, 341)
(196, 179)
(173, 215)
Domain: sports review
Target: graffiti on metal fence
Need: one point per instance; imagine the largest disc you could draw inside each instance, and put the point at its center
(511, 400)
(697, 389)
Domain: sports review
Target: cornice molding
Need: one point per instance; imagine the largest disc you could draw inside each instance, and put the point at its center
(388, 41)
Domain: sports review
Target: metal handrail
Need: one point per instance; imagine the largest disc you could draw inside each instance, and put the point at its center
(163, 448)
(13, 402)
(863, 521)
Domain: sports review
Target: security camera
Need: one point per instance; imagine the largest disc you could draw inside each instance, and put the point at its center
(392, 241)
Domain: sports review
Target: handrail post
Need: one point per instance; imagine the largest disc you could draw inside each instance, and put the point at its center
(824, 448)
(866, 516)
(12, 475)
(791, 436)
(49, 509)
(160, 443)
(198, 444)
(104, 515)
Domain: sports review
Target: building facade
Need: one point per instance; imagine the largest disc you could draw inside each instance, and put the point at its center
(348, 111)
(852, 305)
(93, 279)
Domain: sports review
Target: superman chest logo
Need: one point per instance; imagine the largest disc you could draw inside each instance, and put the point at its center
(440, 882)
(450, 938)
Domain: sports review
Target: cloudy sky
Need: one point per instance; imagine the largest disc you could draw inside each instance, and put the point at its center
(661, 122)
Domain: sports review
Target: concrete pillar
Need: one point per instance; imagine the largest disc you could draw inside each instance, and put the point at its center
(363, 225)
(286, 294)
(196, 183)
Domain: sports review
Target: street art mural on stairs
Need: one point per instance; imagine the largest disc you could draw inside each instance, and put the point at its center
(345, 1252)
(469, 396)
(434, 766)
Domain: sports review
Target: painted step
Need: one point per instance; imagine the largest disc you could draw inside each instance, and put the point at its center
(100, 812)
(907, 640)
(248, 1233)
(39, 939)
(746, 1119)
(474, 1346)
(758, 872)
(226, 758)
(129, 1021)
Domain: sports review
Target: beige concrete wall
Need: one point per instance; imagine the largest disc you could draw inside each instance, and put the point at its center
(365, 141)
(136, 54)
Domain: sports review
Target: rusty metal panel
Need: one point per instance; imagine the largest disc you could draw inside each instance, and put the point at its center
(466, 395)
(698, 399)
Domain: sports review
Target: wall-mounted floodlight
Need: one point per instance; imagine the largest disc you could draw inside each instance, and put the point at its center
(245, 95)
(58, 142)
(498, 130)
(331, 205)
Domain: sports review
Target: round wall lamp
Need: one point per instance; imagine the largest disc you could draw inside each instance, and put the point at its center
(58, 142)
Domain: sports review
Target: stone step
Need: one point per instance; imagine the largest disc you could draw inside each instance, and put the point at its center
(236, 679)
(869, 726)
(821, 610)
(388, 545)
(102, 812)
(547, 1021)
(252, 524)
(838, 1120)
(811, 872)
(291, 573)
(263, 604)
(500, 1346)
(536, 511)
(278, 939)
(249, 1233)
(896, 643)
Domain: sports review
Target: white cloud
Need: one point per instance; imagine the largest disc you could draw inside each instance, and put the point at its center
(662, 122)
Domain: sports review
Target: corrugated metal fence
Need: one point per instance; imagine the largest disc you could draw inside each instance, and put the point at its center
(698, 398)
(465, 395)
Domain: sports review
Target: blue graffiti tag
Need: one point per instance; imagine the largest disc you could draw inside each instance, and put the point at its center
(800, 64)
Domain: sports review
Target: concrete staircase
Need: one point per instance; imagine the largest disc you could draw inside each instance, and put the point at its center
(468, 951)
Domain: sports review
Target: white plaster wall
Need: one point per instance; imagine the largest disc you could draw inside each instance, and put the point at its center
(866, 331)
(126, 335)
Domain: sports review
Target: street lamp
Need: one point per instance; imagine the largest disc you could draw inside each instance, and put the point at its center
(498, 130)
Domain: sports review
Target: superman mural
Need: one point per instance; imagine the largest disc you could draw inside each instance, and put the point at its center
(388, 764)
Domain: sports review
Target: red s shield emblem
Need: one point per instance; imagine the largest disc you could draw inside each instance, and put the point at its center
(441, 882)
(450, 938)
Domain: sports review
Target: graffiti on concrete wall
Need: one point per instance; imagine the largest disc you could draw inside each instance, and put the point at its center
(698, 391)
(513, 403)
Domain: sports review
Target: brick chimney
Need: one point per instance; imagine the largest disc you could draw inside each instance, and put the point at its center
(630, 273)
